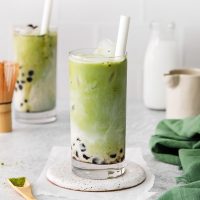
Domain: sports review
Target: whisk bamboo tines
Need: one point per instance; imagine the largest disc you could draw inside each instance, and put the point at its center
(8, 76)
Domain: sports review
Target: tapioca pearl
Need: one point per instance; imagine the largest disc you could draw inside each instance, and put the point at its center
(96, 161)
(82, 147)
(77, 154)
(113, 155)
(22, 82)
(30, 72)
(32, 26)
(27, 110)
(20, 87)
(78, 139)
(121, 150)
(21, 104)
(22, 74)
(25, 101)
(17, 81)
(86, 157)
(29, 79)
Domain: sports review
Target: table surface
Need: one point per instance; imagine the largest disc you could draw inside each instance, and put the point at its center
(26, 150)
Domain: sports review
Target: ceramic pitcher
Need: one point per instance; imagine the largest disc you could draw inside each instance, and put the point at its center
(183, 93)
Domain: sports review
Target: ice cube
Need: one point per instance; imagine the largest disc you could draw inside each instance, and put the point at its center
(106, 48)
(27, 30)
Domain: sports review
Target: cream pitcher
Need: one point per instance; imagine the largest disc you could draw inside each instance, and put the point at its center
(182, 93)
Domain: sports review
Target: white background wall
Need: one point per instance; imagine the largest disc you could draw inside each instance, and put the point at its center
(82, 23)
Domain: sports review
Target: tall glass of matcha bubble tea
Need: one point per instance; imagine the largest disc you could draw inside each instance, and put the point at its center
(97, 113)
(35, 92)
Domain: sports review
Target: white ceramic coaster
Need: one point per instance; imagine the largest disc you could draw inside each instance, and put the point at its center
(61, 175)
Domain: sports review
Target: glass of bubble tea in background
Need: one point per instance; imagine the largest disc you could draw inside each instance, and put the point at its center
(97, 113)
(35, 92)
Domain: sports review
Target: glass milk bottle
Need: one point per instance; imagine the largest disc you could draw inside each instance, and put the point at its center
(161, 56)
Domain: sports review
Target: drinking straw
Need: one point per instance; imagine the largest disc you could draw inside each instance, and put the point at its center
(46, 17)
(122, 36)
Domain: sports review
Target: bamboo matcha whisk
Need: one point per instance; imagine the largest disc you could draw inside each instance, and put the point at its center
(8, 76)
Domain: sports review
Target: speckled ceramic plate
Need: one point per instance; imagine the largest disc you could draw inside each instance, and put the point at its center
(61, 175)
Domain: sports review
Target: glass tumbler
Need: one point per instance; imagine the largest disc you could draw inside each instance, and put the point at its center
(97, 114)
(35, 92)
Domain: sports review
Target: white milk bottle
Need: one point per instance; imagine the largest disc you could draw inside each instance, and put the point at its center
(161, 56)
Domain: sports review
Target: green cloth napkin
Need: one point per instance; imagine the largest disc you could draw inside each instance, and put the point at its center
(186, 192)
(178, 142)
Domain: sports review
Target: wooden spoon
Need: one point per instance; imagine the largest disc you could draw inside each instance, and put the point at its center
(25, 189)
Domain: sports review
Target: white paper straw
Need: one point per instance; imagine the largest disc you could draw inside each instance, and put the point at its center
(46, 17)
(122, 36)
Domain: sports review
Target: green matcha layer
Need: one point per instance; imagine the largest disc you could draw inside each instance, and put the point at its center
(36, 85)
(98, 110)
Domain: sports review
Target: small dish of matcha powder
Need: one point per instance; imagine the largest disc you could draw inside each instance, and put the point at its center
(18, 182)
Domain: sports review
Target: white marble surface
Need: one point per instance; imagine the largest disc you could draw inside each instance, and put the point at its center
(25, 151)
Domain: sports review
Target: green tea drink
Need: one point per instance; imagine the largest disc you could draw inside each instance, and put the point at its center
(97, 108)
(35, 90)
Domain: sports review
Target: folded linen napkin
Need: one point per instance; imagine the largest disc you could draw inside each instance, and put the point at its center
(178, 142)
